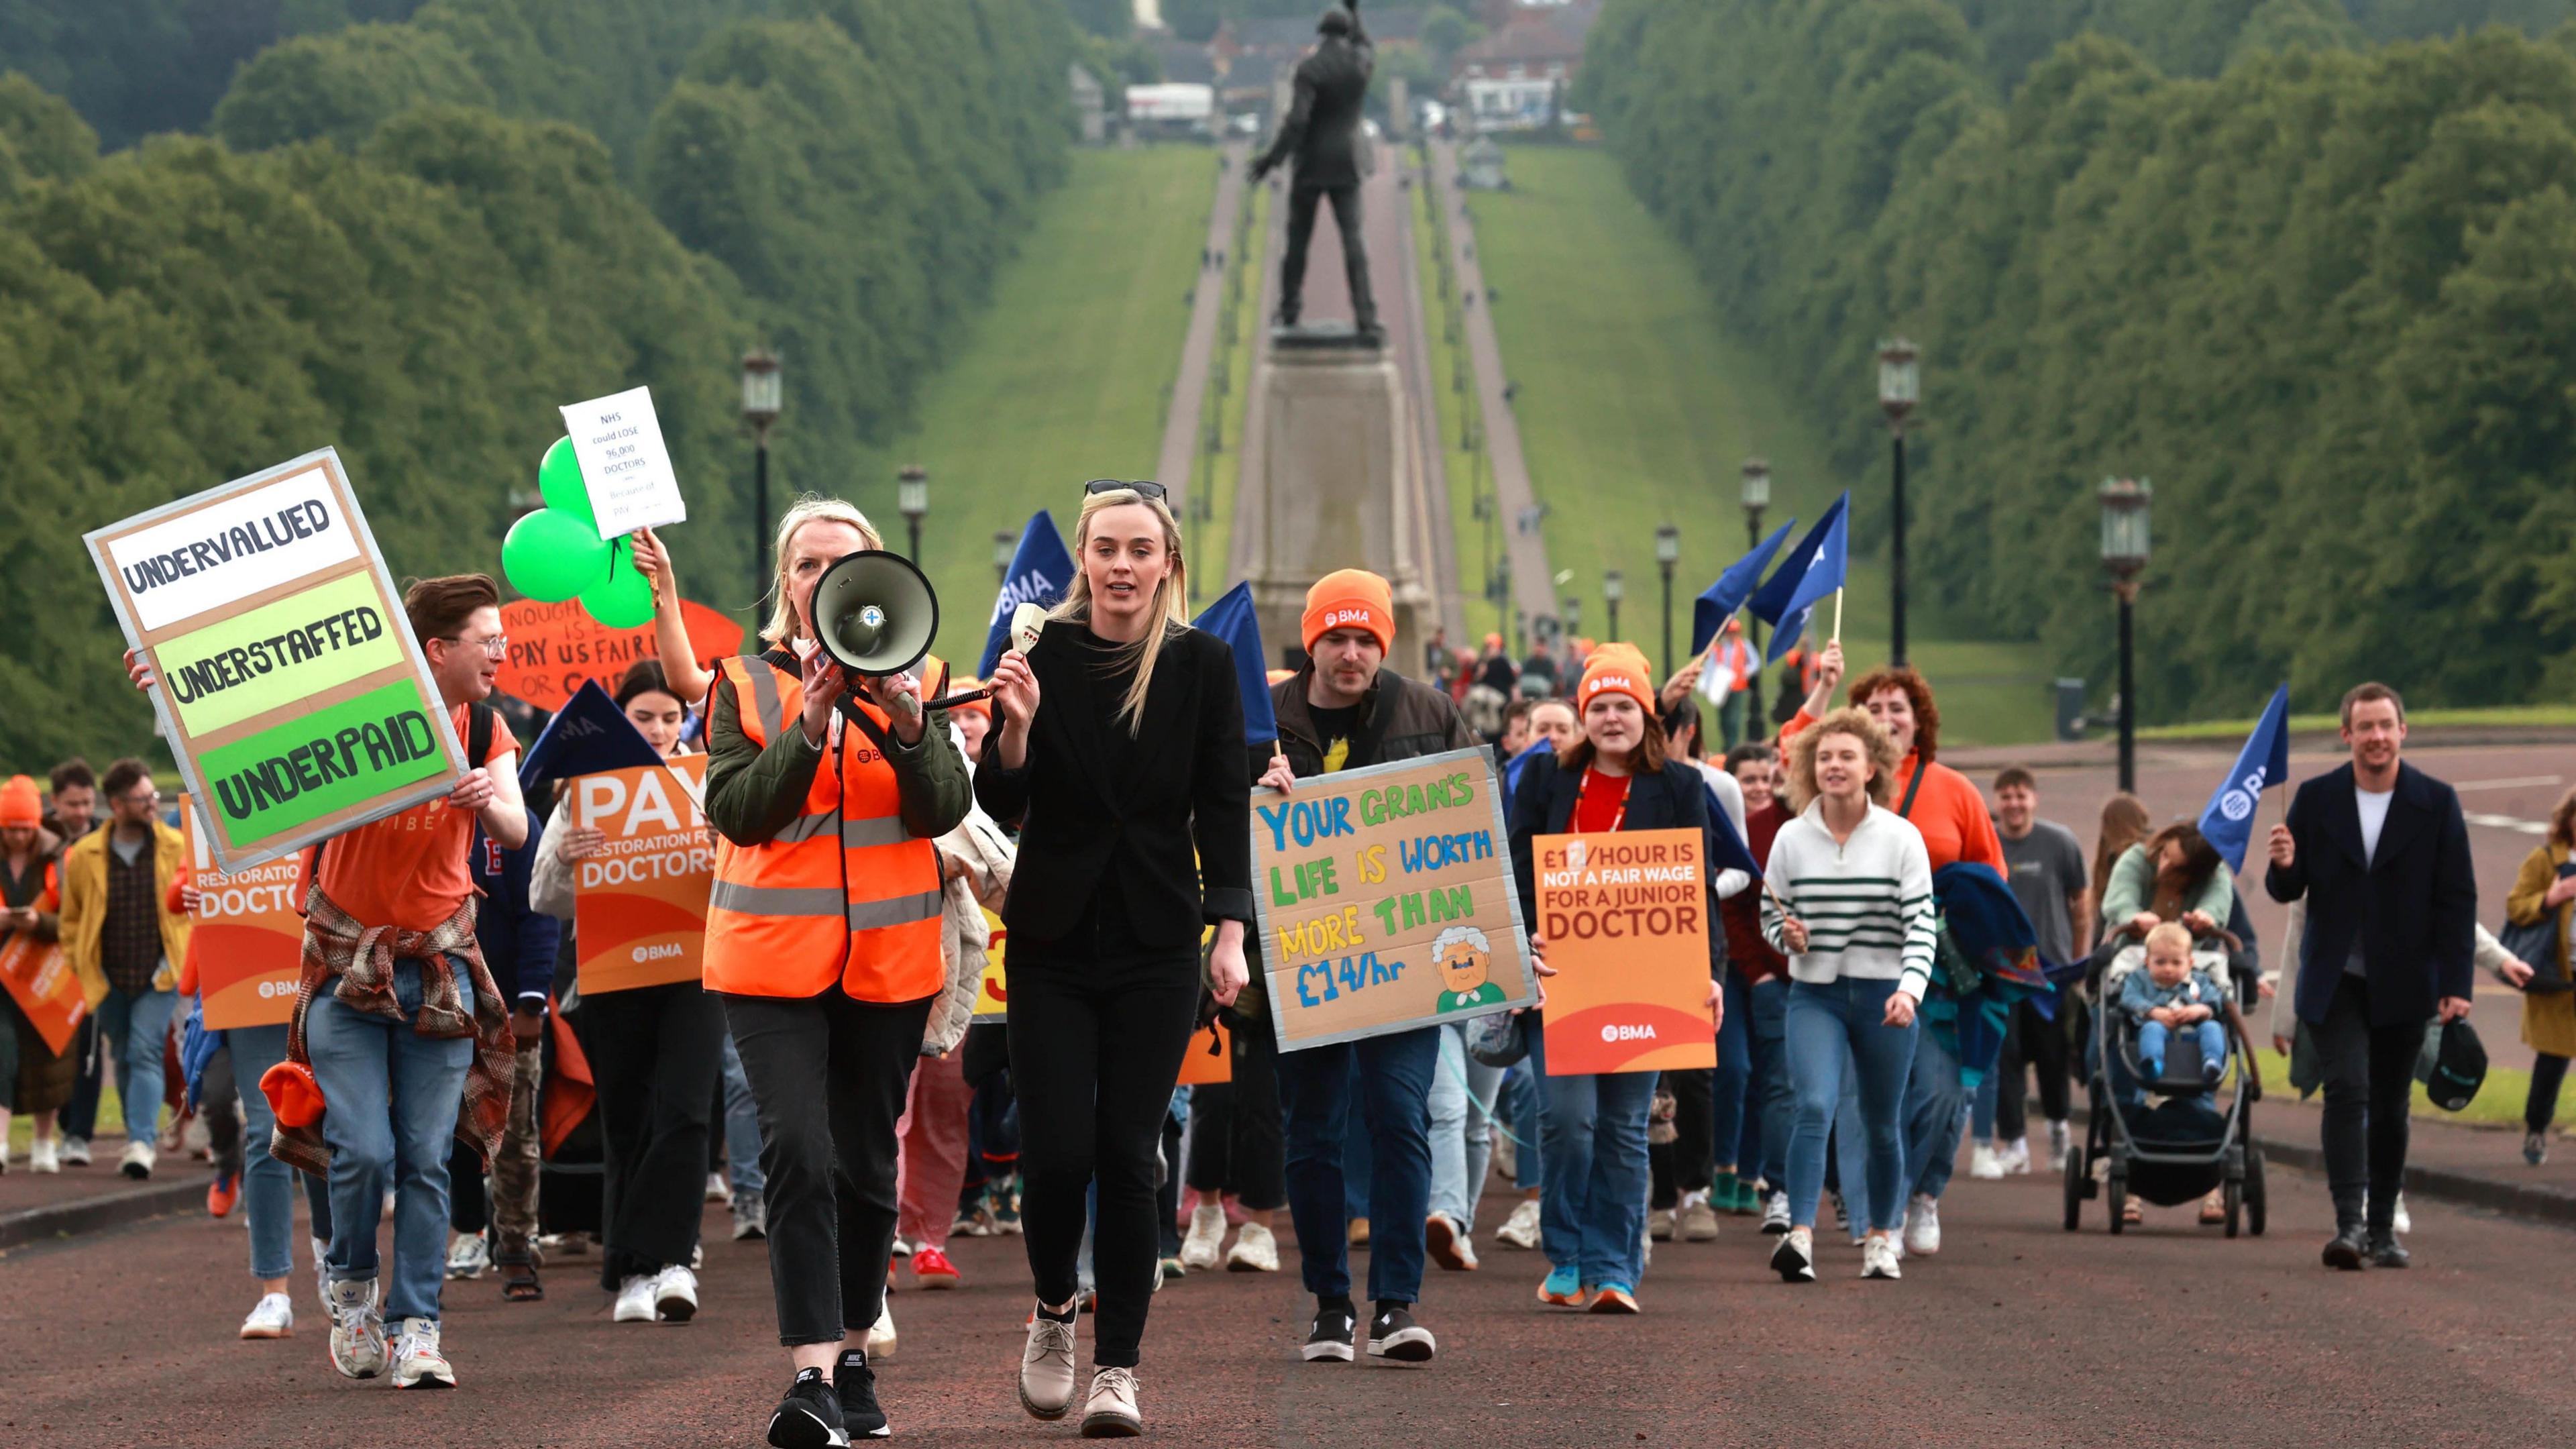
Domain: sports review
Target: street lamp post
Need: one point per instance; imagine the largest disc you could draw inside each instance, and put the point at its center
(2125, 541)
(1900, 386)
(1757, 497)
(912, 500)
(1668, 551)
(1005, 544)
(1614, 587)
(762, 391)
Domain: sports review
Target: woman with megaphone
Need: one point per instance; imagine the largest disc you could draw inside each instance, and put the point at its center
(1135, 832)
(826, 788)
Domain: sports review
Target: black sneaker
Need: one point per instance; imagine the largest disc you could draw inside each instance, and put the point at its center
(1335, 1325)
(1393, 1334)
(855, 1385)
(2387, 1252)
(2346, 1249)
(810, 1416)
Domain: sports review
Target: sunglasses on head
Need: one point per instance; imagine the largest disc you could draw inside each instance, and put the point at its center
(1142, 488)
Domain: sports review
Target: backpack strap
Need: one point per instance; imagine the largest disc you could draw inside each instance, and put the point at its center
(1906, 810)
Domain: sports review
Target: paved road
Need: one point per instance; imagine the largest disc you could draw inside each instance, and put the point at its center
(1198, 346)
(2018, 1334)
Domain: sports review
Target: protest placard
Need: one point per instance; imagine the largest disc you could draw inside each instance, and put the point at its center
(1625, 918)
(1386, 901)
(1210, 1059)
(993, 996)
(625, 465)
(41, 980)
(290, 687)
(247, 944)
(640, 904)
(554, 648)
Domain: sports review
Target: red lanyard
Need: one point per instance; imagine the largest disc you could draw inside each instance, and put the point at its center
(1621, 817)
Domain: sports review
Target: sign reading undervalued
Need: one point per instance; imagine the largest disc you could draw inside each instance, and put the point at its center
(290, 687)
(1386, 900)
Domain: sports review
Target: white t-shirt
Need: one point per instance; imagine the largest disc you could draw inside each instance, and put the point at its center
(2373, 805)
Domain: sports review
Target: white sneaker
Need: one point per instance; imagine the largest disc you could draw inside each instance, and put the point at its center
(1795, 1259)
(76, 1151)
(272, 1317)
(1110, 1412)
(675, 1294)
(357, 1333)
(417, 1362)
(44, 1156)
(719, 1190)
(2057, 1145)
(1878, 1258)
(881, 1339)
(1046, 1367)
(321, 1271)
(1255, 1251)
(902, 1249)
(1923, 1226)
(634, 1300)
(2401, 1222)
(469, 1256)
(1983, 1164)
(1204, 1247)
(1520, 1230)
(2016, 1157)
(1775, 1214)
(137, 1161)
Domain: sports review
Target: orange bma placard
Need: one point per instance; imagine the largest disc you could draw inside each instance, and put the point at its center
(1625, 918)
(42, 981)
(248, 941)
(640, 904)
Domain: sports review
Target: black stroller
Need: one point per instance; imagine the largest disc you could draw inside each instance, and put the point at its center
(2184, 1144)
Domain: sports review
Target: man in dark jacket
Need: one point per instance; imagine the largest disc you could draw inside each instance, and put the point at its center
(1322, 137)
(1343, 711)
(2381, 853)
(519, 945)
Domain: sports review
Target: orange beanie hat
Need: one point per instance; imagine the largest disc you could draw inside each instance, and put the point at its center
(292, 1094)
(1617, 669)
(1350, 599)
(19, 804)
(982, 706)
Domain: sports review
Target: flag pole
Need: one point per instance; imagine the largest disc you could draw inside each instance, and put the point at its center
(1838, 617)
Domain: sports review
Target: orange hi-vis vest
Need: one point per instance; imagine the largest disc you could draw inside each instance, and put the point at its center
(843, 892)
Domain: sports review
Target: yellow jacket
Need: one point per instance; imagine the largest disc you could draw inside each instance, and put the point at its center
(84, 918)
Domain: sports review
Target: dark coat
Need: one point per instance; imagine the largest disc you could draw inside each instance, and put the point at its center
(1673, 798)
(1322, 133)
(1175, 824)
(1400, 719)
(519, 943)
(2412, 911)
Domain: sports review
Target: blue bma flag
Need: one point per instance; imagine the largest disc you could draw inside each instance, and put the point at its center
(1732, 588)
(1040, 573)
(2228, 823)
(588, 735)
(1814, 571)
(1726, 848)
(1231, 619)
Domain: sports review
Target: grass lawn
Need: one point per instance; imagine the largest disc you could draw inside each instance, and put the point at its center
(1636, 409)
(1065, 376)
(1454, 399)
(2500, 716)
(2498, 1102)
(1218, 475)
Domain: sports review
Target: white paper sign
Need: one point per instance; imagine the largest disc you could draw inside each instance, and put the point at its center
(624, 463)
(210, 557)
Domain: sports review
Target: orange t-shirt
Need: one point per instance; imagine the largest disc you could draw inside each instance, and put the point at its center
(409, 870)
(1947, 810)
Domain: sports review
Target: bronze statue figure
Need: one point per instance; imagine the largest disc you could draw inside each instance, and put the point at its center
(1321, 137)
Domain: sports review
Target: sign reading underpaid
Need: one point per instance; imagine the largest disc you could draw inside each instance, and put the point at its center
(248, 941)
(290, 686)
(1386, 900)
(1625, 919)
(640, 904)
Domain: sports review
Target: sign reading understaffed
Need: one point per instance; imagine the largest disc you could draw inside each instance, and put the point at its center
(290, 687)
(1625, 918)
(1386, 900)
(640, 904)
(625, 465)
(247, 943)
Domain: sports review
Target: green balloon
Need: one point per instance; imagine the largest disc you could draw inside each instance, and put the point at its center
(624, 599)
(550, 556)
(559, 480)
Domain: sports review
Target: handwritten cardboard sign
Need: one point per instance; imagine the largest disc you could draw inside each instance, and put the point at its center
(1386, 900)
(40, 979)
(640, 904)
(248, 942)
(554, 648)
(625, 465)
(1625, 918)
(290, 687)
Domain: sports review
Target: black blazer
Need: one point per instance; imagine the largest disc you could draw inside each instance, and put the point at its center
(1673, 798)
(2413, 910)
(1175, 824)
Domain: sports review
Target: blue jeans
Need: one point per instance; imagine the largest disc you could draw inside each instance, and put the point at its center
(1462, 1136)
(1936, 1112)
(268, 1185)
(134, 1024)
(1727, 1096)
(1829, 1024)
(2151, 1043)
(390, 1099)
(1764, 1148)
(1357, 1170)
(1393, 1086)
(1592, 1208)
(741, 1125)
(1528, 1096)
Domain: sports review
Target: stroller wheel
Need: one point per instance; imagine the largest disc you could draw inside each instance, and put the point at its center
(2254, 1197)
(2235, 1198)
(2119, 1196)
(2076, 1181)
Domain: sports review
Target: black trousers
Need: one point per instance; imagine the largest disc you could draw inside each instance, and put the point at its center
(655, 1054)
(2036, 1042)
(1688, 1163)
(1302, 201)
(2369, 1088)
(1096, 1049)
(1236, 1141)
(829, 1075)
(2548, 1073)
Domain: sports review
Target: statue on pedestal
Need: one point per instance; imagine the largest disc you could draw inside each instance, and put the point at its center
(1321, 139)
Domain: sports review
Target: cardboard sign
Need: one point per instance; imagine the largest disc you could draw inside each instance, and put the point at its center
(290, 687)
(554, 648)
(1625, 918)
(247, 945)
(1386, 900)
(993, 995)
(640, 905)
(625, 465)
(41, 980)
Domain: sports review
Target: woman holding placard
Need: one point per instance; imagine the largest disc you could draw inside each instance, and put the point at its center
(1615, 776)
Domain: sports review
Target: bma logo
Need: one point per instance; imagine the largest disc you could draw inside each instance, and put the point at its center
(1615, 1033)
(1336, 618)
(2238, 803)
(662, 952)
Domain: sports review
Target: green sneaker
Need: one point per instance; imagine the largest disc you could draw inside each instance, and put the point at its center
(1743, 1200)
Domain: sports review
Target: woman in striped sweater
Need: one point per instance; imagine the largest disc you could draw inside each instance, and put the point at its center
(1849, 901)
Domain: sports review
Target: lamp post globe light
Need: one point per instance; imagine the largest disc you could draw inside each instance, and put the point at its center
(1668, 551)
(1005, 544)
(1757, 497)
(1900, 386)
(2125, 545)
(763, 390)
(1614, 587)
(912, 500)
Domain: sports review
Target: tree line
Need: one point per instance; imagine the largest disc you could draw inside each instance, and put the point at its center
(2319, 294)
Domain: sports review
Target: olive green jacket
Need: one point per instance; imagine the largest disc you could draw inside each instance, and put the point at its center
(753, 791)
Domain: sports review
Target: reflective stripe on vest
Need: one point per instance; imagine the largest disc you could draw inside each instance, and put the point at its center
(842, 893)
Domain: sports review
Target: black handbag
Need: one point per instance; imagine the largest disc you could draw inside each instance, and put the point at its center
(2536, 946)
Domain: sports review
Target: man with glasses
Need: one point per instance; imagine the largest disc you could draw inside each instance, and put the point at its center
(124, 936)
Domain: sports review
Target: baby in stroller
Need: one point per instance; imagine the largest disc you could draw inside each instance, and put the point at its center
(2169, 996)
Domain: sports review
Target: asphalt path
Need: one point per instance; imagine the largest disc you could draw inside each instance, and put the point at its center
(2017, 1334)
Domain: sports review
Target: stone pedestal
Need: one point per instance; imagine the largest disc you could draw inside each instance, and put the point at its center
(1336, 487)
